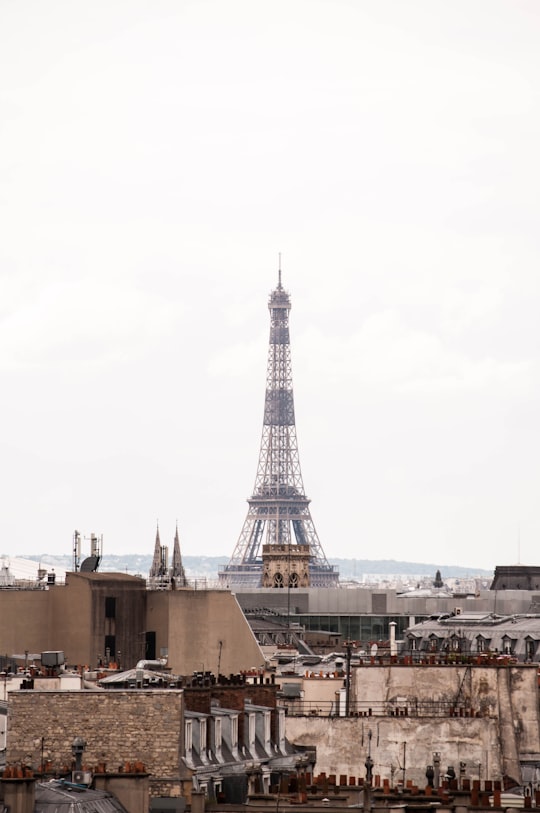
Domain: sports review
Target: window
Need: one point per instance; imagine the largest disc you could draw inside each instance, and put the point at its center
(530, 649)
(110, 607)
(281, 729)
(251, 731)
(508, 645)
(202, 736)
(267, 728)
(150, 645)
(189, 736)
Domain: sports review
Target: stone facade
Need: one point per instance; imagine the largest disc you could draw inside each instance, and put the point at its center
(120, 728)
(285, 566)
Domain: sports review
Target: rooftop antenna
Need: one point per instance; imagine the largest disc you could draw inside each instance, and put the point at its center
(76, 551)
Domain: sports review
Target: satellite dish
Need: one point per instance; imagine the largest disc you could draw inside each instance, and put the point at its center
(90, 564)
(373, 650)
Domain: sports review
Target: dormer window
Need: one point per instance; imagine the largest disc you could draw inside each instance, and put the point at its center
(234, 733)
(188, 736)
(202, 735)
(530, 648)
(508, 645)
(217, 737)
(482, 644)
(251, 724)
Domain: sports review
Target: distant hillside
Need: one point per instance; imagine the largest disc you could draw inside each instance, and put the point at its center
(357, 568)
(207, 567)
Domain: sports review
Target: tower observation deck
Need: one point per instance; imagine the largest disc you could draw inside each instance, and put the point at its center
(278, 512)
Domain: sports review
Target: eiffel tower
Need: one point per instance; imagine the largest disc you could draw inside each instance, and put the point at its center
(278, 513)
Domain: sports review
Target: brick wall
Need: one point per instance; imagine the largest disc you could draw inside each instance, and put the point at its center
(230, 697)
(118, 727)
(199, 699)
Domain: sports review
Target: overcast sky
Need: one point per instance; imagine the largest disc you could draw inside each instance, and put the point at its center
(156, 156)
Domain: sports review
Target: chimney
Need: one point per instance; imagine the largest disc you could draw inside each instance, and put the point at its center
(393, 645)
(18, 795)
(197, 801)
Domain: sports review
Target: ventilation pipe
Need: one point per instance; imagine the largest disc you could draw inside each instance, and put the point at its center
(393, 644)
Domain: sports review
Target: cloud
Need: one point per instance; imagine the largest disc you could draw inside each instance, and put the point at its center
(389, 355)
(91, 321)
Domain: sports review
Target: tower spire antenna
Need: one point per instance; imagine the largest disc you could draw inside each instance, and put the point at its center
(279, 270)
(278, 528)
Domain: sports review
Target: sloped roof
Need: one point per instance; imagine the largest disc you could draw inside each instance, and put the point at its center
(58, 796)
(135, 674)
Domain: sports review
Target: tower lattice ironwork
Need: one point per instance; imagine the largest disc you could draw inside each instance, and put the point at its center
(278, 511)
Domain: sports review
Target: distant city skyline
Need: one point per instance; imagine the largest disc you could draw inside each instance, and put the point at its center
(156, 158)
(208, 566)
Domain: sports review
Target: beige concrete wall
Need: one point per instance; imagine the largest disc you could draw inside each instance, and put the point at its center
(200, 628)
(26, 620)
(71, 618)
(80, 616)
(206, 628)
(317, 692)
(70, 615)
(157, 618)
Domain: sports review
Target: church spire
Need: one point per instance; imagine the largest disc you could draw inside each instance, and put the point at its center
(158, 570)
(177, 569)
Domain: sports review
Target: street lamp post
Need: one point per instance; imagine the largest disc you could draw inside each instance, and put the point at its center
(348, 680)
(369, 775)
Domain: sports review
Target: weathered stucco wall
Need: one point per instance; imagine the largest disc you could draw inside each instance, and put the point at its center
(460, 685)
(504, 728)
(524, 706)
(118, 727)
(342, 745)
